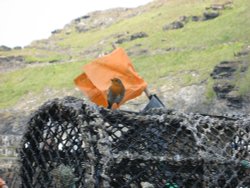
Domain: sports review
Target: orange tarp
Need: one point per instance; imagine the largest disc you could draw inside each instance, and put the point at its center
(98, 74)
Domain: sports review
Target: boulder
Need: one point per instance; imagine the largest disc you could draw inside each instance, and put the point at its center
(173, 25)
(222, 88)
(225, 69)
(138, 35)
(234, 99)
(209, 15)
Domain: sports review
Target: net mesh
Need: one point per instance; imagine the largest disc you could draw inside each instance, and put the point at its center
(69, 143)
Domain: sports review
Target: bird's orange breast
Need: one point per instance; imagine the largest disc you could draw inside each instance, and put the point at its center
(117, 89)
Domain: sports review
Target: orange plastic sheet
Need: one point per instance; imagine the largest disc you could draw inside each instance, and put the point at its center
(98, 74)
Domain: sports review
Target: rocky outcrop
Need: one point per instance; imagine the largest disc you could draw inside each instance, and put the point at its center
(11, 63)
(8, 145)
(12, 126)
(4, 48)
(12, 122)
(225, 75)
(222, 88)
(11, 129)
(103, 19)
(225, 69)
(210, 13)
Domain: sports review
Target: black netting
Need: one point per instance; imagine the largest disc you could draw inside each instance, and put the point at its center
(69, 143)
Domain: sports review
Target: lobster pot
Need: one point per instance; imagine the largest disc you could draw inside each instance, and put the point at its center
(70, 143)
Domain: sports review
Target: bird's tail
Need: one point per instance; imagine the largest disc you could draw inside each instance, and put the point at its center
(109, 105)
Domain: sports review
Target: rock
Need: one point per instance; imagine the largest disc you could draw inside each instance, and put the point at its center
(56, 31)
(17, 48)
(196, 18)
(82, 27)
(244, 67)
(184, 19)
(10, 59)
(11, 62)
(78, 20)
(122, 40)
(234, 99)
(173, 25)
(146, 185)
(4, 48)
(210, 15)
(12, 122)
(187, 99)
(138, 35)
(132, 37)
(222, 88)
(85, 17)
(242, 53)
(225, 69)
(216, 7)
(8, 145)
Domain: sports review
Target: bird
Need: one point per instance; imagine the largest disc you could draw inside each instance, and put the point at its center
(116, 92)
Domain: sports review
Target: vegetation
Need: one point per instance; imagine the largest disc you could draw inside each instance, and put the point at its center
(16, 84)
(243, 83)
(195, 50)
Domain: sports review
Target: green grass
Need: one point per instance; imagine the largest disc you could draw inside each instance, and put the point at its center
(48, 57)
(243, 83)
(199, 47)
(16, 84)
(32, 55)
(175, 63)
(210, 93)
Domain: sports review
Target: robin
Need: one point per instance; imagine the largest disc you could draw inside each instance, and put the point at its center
(116, 92)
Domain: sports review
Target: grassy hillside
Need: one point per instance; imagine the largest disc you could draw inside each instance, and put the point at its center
(184, 56)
